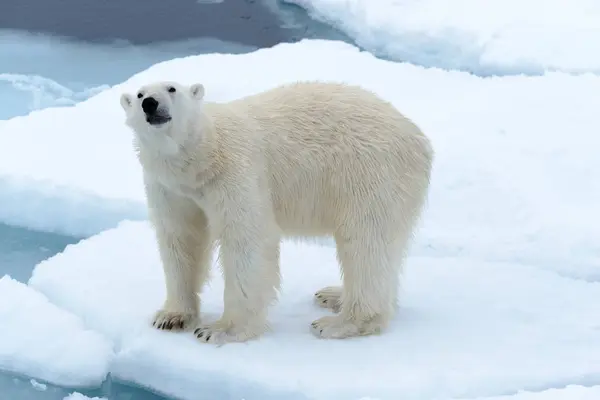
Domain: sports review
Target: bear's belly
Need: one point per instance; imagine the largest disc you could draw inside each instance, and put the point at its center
(306, 214)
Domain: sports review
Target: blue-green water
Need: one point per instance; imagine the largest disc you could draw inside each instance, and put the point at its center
(21, 249)
(18, 388)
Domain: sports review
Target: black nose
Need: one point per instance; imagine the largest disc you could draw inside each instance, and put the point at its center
(149, 105)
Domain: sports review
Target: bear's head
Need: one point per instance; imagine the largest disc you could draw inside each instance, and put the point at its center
(163, 113)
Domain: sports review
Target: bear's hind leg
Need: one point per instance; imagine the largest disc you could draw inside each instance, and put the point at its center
(371, 264)
(329, 297)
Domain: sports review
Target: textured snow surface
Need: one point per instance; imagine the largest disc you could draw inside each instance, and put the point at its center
(465, 328)
(485, 37)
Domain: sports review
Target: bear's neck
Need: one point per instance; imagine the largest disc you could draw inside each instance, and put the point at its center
(192, 162)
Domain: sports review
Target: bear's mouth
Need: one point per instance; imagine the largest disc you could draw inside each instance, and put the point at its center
(157, 119)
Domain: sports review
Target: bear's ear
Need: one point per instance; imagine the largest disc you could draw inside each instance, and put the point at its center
(197, 91)
(126, 101)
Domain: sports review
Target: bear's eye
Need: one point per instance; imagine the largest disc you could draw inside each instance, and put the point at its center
(140, 95)
(171, 89)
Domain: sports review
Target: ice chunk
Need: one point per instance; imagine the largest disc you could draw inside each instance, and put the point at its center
(79, 396)
(47, 343)
(37, 385)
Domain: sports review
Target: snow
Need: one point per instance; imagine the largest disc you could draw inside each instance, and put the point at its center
(515, 170)
(76, 357)
(487, 37)
(501, 292)
(571, 392)
(466, 328)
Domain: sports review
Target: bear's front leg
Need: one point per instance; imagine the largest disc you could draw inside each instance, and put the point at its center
(184, 246)
(249, 257)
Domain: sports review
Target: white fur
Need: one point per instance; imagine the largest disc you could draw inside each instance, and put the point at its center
(301, 160)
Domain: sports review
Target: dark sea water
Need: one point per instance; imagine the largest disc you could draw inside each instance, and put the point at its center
(57, 51)
(255, 23)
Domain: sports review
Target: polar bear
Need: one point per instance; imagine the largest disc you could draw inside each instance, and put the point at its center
(307, 159)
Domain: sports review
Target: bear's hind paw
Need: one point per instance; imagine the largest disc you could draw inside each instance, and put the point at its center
(329, 297)
(173, 320)
(222, 332)
(338, 327)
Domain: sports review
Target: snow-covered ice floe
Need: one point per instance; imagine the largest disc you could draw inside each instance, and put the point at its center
(41, 340)
(485, 37)
(501, 289)
(465, 328)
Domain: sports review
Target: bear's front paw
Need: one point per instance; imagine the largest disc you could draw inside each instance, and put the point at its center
(222, 332)
(174, 320)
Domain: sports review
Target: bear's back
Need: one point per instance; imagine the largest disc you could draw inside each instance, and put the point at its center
(327, 146)
(328, 118)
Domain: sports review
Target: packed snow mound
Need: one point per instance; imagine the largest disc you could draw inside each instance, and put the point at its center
(485, 37)
(515, 174)
(465, 328)
(44, 342)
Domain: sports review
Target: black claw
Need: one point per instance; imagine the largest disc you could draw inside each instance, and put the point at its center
(208, 337)
(201, 334)
(321, 331)
(181, 324)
